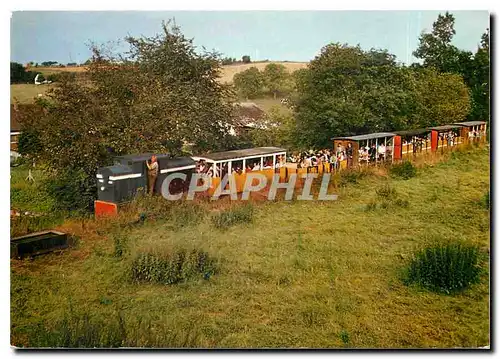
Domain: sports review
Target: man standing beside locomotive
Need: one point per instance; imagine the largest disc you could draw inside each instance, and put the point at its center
(152, 166)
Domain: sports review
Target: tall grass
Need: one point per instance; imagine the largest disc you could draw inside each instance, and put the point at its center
(113, 331)
(232, 216)
(386, 197)
(25, 224)
(404, 170)
(446, 268)
(172, 268)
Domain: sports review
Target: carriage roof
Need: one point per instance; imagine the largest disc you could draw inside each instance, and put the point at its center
(367, 136)
(240, 154)
(470, 123)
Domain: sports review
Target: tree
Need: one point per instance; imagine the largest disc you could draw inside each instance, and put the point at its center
(246, 59)
(49, 63)
(435, 48)
(348, 91)
(277, 79)
(159, 97)
(17, 73)
(277, 130)
(330, 96)
(480, 85)
(444, 98)
(249, 83)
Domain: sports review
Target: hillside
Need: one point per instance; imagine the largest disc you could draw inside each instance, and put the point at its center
(301, 274)
(26, 92)
(229, 71)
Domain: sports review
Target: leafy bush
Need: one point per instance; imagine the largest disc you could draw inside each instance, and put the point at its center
(351, 176)
(232, 216)
(402, 203)
(404, 170)
(31, 197)
(73, 191)
(172, 268)
(485, 200)
(388, 198)
(344, 336)
(445, 267)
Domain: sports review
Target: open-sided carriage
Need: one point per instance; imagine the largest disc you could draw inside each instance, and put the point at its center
(364, 149)
(265, 160)
(472, 131)
(411, 142)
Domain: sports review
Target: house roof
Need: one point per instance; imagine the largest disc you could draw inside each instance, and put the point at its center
(15, 126)
(239, 154)
(16, 110)
(367, 136)
(248, 113)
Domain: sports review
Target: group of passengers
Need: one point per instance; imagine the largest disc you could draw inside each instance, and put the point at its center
(374, 153)
(313, 158)
(474, 134)
(221, 169)
(449, 137)
(417, 143)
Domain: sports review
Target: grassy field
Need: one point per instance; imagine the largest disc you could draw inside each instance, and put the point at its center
(26, 93)
(301, 274)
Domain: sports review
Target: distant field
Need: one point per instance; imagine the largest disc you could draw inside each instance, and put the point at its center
(25, 93)
(54, 70)
(229, 71)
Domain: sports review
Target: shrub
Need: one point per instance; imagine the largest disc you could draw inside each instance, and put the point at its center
(371, 206)
(232, 216)
(73, 191)
(344, 336)
(172, 268)
(445, 267)
(29, 143)
(404, 170)
(402, 203)
(485, 200)
(386, 192)
(351, 176)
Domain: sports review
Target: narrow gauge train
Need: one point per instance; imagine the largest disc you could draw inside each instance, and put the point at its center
(120, 182)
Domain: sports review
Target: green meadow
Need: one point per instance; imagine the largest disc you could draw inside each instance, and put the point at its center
(299, 274)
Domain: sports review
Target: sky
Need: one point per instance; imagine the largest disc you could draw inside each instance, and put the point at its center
(264, 35)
